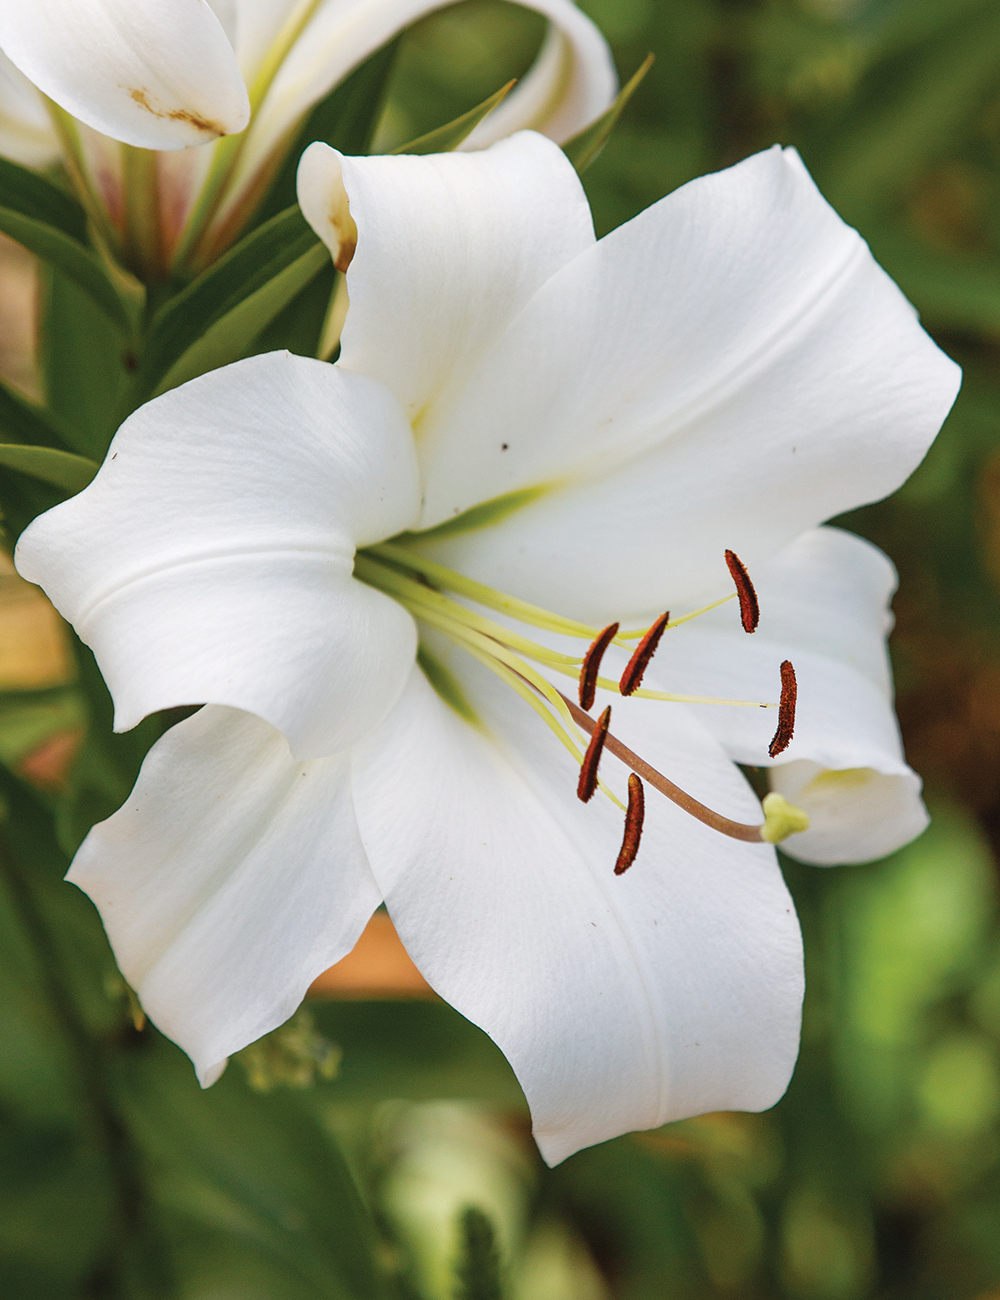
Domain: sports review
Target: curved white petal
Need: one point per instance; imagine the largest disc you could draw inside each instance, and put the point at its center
(726, 370)
(211, 558)
(855, 814)
(448, 248)
(155, 73)
(230, 878)
(572, 82)
(621, 1003)
(825, 606)
(26, 133)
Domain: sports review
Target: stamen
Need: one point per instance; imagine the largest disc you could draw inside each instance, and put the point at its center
(786, 711)
(632, 676)
(749, 608)
(592, 665)
(639, 766)
(634, 815)
(588, 768)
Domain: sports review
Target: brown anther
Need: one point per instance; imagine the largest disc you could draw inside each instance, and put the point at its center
(634, 815)
(749, 609)
(588, 768)
(644, 651)
(591, 665)
(786, 711)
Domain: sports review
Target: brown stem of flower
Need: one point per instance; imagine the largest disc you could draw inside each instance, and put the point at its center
(735, 830)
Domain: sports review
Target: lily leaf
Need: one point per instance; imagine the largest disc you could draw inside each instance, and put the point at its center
(450, 136)
(73, 259)
(584, 148)
(244, 275)
(25, 422)
(63, 469)
(33, 196)
(229, 337)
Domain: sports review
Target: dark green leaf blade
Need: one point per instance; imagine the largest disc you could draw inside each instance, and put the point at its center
(62, 469)
(262, 256)
(451, 135)
(33, 196)
(228, 338)
(25, 422)
(74, 260)
(584, 148)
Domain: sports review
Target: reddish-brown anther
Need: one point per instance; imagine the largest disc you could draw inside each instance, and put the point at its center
(634, 815)
(587, 783)
(749, 609)
(786, 711)
(591, 665)
(644, 651)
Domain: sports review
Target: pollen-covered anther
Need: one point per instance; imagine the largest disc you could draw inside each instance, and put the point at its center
(587, 783)
(786, 711)
(634, 815)
(632, 676)
(591, 665)
(749, 608)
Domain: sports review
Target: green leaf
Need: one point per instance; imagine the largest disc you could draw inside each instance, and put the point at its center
(33, 196)
(75, 261)
(240, 294)
(84, 365)
(229, 338)
(451, 135)
(584, 148)
(26, 422)
(260, 1169)
(61, 468)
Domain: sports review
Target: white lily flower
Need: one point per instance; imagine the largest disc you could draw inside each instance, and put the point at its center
(169, 74)
(584, 426)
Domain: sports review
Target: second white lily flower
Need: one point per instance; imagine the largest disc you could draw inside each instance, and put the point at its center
(169, 74)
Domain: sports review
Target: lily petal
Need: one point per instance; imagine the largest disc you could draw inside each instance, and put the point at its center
(155, 73)
(26, 133)
(228, 881)
(439, 252)
(825, 606)
(621, 1003)
(728, 369)
(572, 82)
(211, 558)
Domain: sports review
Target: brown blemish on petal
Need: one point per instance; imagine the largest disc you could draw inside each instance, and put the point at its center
(202, 124)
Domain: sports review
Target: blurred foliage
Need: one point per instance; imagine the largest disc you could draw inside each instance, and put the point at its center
(410, 1173)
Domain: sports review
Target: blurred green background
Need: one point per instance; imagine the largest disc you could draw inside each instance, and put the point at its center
(409, 1173)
